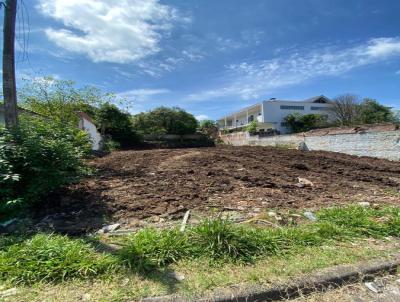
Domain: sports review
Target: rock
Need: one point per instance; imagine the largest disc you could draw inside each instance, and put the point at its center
(364, 204)
(271, 214)
(9, 292)
(310, 216)
(257, 210)
(109, 228)
(177, 276)
(304, 182)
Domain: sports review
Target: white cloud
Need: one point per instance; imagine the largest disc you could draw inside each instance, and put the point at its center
(201, 117)
(110, 31)
(248, 80)
(142, 94)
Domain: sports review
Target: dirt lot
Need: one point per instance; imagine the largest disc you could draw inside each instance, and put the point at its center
(132, 185)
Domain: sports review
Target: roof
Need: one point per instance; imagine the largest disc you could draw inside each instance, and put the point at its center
(309, 100)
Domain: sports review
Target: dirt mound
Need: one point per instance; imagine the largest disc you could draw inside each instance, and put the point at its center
(139, 184)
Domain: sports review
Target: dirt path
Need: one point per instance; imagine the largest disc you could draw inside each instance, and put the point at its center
(138, 184)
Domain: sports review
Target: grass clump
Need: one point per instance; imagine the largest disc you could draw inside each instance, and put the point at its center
(51, 258)
(221, 241)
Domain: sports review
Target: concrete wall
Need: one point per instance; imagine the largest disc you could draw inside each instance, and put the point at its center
(382, 144)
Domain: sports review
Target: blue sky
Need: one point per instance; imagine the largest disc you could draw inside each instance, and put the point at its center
(213, 57)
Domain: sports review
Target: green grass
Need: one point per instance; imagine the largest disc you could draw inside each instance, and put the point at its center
(219, 242)
(51, 258)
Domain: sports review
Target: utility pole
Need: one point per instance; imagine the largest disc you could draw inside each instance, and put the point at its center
(9, 86)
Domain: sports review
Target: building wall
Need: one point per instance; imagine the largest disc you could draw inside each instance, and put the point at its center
(91, 129)
(382, 144)
(274, 114)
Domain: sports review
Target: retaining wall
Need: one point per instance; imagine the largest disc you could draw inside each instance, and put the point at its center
(359, 141)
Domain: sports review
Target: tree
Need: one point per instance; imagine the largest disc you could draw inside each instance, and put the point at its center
(165, 120)
(9, 86)
(346, 109)
(117, 124)
(302, 123)
(372, 112)
(60, 99)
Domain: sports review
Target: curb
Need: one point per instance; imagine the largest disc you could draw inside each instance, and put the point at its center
(321, 281)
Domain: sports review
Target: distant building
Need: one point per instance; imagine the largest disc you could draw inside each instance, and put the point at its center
(85, 123)
(270, 114)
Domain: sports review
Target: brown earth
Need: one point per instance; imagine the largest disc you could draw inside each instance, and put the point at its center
(132, 185)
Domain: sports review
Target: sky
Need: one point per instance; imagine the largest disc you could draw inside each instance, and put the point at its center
(214, 57)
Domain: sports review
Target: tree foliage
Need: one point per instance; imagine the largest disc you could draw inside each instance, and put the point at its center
(209, 128)
(372, 112)
(117, 124)
(301, 123)
(252, 127)
(349, 110)
(163, 120)
(60, 99)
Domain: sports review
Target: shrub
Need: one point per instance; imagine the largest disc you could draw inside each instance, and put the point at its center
(117, 125)
(51, 258)
(38, 157)
(301, 123)
(252, 127)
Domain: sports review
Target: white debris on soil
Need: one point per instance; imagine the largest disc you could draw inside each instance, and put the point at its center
(364, 204)
(375, 287)
(109, 228)
(304, 182)
(310, 216)
(177, 276)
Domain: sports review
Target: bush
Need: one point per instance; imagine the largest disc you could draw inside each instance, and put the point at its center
(252, 127)
(117, 125)
(302, 123)
(38, 157)
(165, 120)
(51, 258)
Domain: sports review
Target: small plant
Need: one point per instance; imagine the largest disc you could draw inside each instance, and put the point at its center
(51, 258)
(252, 128)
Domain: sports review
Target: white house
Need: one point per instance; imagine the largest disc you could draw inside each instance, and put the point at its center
(270, 114)
(85, 123)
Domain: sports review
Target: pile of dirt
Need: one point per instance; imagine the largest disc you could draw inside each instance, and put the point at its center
(132, 185)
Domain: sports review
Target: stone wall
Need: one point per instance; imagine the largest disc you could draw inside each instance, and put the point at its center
(382, 142)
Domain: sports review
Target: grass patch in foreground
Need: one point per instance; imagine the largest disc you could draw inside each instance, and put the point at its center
(49, 258)
(55, 258)
(202, 277)
(221, 241)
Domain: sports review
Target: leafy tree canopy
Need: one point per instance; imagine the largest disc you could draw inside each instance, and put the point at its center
(372, 112)
(301, 123)
(60, 99)
(163, 120)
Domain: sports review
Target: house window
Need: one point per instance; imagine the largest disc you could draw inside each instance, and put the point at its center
(286, 107)
(319, 108)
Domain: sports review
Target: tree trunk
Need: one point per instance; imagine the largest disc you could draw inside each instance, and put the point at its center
(9, 86)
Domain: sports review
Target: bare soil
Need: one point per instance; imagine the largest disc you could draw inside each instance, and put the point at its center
(132, 185)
